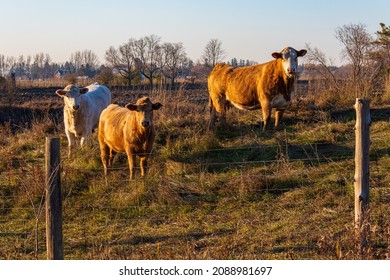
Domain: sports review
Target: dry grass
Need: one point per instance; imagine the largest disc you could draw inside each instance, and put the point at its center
(230, 193)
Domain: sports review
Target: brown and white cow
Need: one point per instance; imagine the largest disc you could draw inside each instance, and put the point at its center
(266, 86)
(128, 129)
(82, 108)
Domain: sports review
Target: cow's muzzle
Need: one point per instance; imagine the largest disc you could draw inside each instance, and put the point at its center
(291, 74)
(291, 71)
(145, 123)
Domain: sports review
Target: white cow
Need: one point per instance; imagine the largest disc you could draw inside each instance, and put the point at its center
(82, 111)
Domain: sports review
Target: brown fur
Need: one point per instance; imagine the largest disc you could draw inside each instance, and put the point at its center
(122, 129)
(250, 87)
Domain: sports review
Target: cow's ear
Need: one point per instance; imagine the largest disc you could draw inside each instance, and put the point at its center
(277, 55)
(131, 107)
(156, 106)
(61, 92)
(302, 52)
(83, 90)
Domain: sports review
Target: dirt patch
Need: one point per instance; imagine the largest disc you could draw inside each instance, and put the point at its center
(21, 117)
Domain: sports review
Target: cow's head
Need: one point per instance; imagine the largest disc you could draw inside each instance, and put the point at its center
(289, 58)
(71, 95)
(144, 110)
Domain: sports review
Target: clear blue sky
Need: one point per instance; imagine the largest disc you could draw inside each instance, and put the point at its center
(248, 29)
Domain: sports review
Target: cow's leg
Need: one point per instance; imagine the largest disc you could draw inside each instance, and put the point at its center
(220, 107)
(222, 116)
(112, 156)
(131, 159)
(213, 117)
(143, 165)
(105, 156)
(278, 116)
(86, 139)
(71, 141)
(83, 140)
(217, 105)
(213, 113)
(266, 110)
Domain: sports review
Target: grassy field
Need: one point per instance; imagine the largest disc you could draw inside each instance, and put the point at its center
(233, 192)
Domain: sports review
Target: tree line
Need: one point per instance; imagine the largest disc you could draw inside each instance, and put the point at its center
(41, 66)
(368, 62)
(148, 58)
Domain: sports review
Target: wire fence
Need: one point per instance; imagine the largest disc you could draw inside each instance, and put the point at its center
(116, 204)
(195, 197)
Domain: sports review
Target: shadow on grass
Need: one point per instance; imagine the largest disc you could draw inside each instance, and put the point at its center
(141, 240)
(377, 114)
(218, 160)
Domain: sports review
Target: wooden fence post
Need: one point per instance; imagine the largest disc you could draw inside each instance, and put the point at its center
(54, 244)
(362, 171)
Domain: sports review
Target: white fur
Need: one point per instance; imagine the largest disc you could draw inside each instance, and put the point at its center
(243, 107)
(80, 123)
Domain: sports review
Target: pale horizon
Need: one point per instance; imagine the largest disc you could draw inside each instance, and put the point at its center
(248, 29)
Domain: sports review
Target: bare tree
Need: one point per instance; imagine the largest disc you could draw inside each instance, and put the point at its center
(39, 59)
(357, 46)
(317, 57)
(28, 66)
(122, 59)
(174, 59)
(85, 60)
(148, 57)
(20, 67)
(76, 60)
(90, 58)
(10, 64)
(40, 68)
(213, 53)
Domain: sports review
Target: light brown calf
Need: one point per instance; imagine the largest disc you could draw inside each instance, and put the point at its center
(130, 130)
(266, 86)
